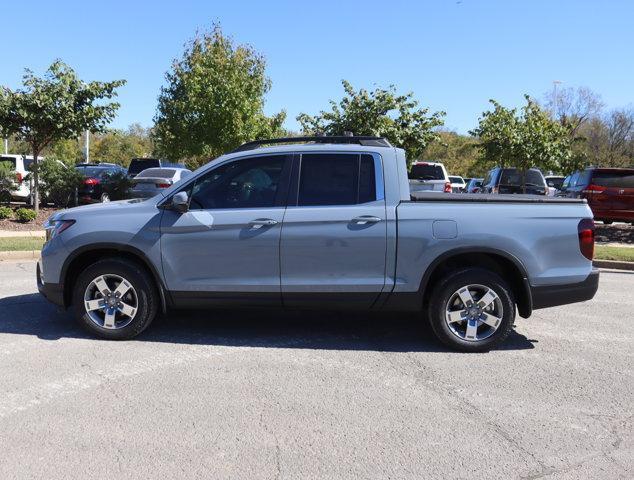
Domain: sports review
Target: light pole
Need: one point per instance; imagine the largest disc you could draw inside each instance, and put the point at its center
(87, 146)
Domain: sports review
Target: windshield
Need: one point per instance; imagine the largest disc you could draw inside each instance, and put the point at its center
(512, 176)
(425, 171)
(618, 179)
(157, 173)
(456, 180)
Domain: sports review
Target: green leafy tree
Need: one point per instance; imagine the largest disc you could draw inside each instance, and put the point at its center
(54, 107)
(528, 139)
(459, 153)
(121, 146)
(7, 181)
(213, 100)
(381, 112)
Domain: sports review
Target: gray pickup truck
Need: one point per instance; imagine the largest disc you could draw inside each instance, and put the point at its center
(320, 222)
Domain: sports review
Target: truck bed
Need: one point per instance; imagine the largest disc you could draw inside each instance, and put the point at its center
(487, 198)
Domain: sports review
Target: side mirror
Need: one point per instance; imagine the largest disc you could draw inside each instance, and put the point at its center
(180, 202)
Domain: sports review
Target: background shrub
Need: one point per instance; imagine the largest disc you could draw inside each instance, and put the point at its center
(5, 212)
(58, 182)
(7, 181)
(25, 215)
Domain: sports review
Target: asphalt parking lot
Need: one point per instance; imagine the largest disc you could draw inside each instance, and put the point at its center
(286, 395)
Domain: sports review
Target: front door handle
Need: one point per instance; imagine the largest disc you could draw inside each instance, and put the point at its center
(365, 219)
(262, 222)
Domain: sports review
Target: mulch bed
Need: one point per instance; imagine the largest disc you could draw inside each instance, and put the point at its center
(617, 233)
(37, 224)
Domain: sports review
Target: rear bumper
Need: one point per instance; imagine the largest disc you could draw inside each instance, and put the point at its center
(553, 295)
(53, 292)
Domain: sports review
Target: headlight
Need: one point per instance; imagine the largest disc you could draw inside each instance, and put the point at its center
(55, 227)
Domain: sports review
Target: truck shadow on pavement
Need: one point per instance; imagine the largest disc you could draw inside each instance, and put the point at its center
(259, 328)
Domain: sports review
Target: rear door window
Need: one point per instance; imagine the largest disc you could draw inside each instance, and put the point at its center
(336, 179)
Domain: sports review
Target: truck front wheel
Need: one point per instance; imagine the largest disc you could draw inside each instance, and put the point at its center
(115, 299)
(472, 310)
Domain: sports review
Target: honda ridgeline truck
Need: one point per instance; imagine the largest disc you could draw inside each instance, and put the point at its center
(320, 222)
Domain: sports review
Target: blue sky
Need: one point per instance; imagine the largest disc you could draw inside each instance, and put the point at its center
(454, 55)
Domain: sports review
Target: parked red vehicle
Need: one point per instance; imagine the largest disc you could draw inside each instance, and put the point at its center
(609, 191)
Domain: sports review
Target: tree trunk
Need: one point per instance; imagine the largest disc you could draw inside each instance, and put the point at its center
(36, 181)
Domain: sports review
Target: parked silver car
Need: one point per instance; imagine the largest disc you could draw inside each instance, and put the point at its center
(152, 181)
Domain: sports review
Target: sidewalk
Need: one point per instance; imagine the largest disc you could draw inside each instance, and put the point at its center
(23, 233)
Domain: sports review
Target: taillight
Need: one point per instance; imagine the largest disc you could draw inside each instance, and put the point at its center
(593, 189)
(447, 188)
(162, 185)
(91, 181)
(586, 237)
(18, 177)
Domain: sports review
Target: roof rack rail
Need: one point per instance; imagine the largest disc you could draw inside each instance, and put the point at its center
(344, 139)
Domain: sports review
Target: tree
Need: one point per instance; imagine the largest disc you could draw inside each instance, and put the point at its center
(530, 139)
(121, 146)
(54, 107)
(573, 107)
(380, 113)
(610, 138)
(459, 153)
(213, 100)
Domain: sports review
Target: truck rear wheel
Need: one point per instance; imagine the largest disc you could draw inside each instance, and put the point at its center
(115, 299)
(472, 310)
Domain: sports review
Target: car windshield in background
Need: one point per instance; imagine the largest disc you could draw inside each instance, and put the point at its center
(427, 172)
(511, 176)
(614, 179)
(555, 182)
(157, 173)
(456, 180)
(137, 166)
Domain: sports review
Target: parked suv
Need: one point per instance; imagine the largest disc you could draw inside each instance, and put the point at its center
(609, 192)
(429, 177)
(509, 180)
(327, 224)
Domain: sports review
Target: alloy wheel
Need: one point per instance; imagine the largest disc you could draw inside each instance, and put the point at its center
(474, 312)
(111, 301)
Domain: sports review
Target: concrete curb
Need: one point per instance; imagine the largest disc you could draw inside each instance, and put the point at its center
(614, 264)
(19, 255)
(22, 234)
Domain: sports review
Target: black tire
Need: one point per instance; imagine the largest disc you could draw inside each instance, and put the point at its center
(607, 222)
(448, 286)
(146, 295)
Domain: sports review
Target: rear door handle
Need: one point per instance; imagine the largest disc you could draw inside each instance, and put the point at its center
(365, 219)
(262, 222)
